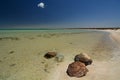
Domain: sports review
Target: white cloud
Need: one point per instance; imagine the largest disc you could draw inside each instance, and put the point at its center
(41, 5)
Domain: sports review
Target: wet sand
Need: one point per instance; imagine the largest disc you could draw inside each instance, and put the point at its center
(106, 69)
(21, 55)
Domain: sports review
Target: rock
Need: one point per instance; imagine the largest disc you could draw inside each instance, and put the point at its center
(59, 58)
(84, 58)
(77, 69)
(49, 55)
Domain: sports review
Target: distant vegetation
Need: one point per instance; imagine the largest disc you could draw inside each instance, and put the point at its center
(112, 28)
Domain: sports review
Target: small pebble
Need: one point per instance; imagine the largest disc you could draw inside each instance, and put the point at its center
(59, 58)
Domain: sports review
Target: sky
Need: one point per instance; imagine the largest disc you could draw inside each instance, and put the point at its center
(59, 13)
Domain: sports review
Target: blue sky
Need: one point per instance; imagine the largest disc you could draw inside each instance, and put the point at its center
(59, 13)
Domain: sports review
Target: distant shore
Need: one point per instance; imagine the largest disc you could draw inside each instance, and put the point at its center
(96, 28)
(114, 28)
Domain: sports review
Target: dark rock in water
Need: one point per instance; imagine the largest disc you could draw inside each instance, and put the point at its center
(59, 58)
(77, 69)
(84, 58)
(49, 55)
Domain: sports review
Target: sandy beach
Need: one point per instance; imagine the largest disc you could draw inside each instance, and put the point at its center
(22, 54)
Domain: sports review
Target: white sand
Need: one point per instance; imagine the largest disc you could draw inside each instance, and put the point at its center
(27, 61)
(99, 70)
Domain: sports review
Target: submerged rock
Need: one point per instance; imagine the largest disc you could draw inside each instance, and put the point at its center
(49, 55)
(59, 58)
(84, 58)
(77, 69)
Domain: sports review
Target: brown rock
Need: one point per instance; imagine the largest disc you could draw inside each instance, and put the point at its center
(49, 55)
(77, 69)
(84, 58)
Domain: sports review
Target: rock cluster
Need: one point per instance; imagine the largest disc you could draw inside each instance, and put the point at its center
(78, 68)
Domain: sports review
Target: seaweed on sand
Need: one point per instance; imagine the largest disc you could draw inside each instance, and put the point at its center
(0, 60)
(9, 38)
(39, 35)
(11, 52)
(12, 65)
(46, 68)
(48, 35)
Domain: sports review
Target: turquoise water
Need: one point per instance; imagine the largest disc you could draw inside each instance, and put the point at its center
(63, 31)
(18, 33)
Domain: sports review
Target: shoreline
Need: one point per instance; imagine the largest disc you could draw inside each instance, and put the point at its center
(98, 67)
(114, 35)
(22, 58)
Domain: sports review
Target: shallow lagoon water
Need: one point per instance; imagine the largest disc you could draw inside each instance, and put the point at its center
(22, 58)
